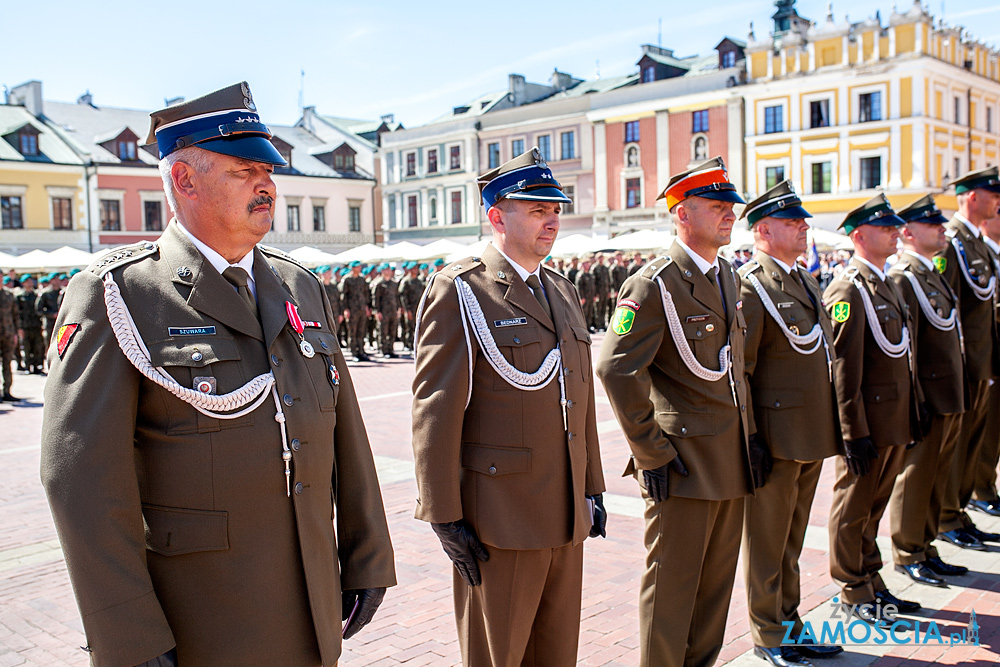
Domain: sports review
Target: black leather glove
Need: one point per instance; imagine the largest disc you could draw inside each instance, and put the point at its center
(657, 481)
(367, 601)
(463, 548)
(168, 659)
(761, 462)
(860, 454)
(926, 416)
(600, 517)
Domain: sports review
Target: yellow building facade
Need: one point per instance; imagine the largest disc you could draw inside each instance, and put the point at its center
(847, 109)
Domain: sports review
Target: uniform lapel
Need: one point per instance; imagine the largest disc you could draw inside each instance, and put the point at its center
(272, 293)
(518, 294)
(559, 313)
(210, 294)
(701, 289)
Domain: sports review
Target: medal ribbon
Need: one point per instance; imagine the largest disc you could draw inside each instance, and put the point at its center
(293, 318)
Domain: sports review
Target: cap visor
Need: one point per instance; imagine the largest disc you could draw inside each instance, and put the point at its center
(887, 221)
(254, 148)
(791, 213)
(722, 195)
(933, 219)
(541, 194)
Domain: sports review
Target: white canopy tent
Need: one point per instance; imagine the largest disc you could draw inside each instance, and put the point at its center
(68, 258)
(361, 253)
(644, 239)
(825, 239)
(312, 257)
(573, 245)
(474, 250)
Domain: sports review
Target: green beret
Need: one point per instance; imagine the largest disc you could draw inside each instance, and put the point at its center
(25, 276)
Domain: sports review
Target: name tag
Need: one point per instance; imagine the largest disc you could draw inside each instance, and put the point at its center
(191, 331)
(881, 306)
(786, 304)
(698, 318)
(513, 322)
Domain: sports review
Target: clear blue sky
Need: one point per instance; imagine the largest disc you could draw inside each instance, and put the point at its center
(362, 60)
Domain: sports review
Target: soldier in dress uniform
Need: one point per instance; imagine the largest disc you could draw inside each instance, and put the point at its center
(385, 304)
(915, 504)
(47, 304)
(878, 405)
(411, 288)
(356, 301)
(794, 420)
(672, 364)
(968, 267)
(587, 289)
(30, 326)
(208, 520)
(505, 432)
(9, 319)
(602, 285)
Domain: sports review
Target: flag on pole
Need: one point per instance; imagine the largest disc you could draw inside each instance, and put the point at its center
(812, 260)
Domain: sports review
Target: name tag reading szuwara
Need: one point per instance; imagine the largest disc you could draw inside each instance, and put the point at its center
(190, 331)
(513, 322)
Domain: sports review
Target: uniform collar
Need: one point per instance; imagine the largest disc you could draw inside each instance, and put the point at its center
(878, 272)
(220, 263)
(928, 264)
(521, 271)
(991, 243)
(699, 261)
(971, 227)
(788, 269)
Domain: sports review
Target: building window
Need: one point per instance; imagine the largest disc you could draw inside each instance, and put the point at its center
(411, 164)
(29, 143)
(126, 150)
(153, 216)
(338, 162)
(516, 147)
(631, 131)
(10, 208)
(319, 218)
(294, 224)
(822, 178)
(456, 207)
(989, 119)
(567, 147)
(455, 157)
(699, 149)
(699, 121)
(819, 113)
(493, 151)
(958, 113)
(434, 208)
(773, 176)
(354, 217)
(545, 146)
(569, 208)
(62, 213)
(633, 196)
(871, 172)
(348, 162)
(648, 74)
(773, 121)
(110, 215)
(729, 59)
(958, 166)
(869, 107)
(411, 211)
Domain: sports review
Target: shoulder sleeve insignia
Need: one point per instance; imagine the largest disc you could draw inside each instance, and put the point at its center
(621, 324)
(940, 263)
(64, 337)
(841, 311)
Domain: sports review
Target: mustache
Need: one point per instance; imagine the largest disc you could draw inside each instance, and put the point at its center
(258, 201)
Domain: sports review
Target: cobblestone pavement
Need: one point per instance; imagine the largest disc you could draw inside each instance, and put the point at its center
(40, 625)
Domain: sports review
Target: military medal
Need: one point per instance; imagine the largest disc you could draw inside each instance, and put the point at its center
(299, 326)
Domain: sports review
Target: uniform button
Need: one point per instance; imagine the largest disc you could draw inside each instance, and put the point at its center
(684, 430)
(296, 445)
(323, 345)
(298, 488)
(516, 339)
(569, 403)
(274, 360)
(777, 404)
(287, 399)
(197, 356)
(743, 408)
(493, 470)
(698, 333)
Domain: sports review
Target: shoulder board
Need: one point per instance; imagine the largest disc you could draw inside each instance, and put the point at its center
(849, 273)
(950, 232)
(121, 256)
(461, 266)
(723, 262)
(657, 266)
(555, 275)
(279, 254)
(749, 267)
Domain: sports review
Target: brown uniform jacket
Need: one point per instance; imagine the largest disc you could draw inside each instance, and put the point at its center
(665, 410)
(794, 404)
(176, 526)
(982, 343)
(504, 462)
(940, 364)
(874, 391)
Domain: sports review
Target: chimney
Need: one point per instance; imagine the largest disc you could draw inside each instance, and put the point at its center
(562, 81)
(29, 96)
(86, 99)
(389, 118)
(515, 87)
(173, 101)
(658, 50)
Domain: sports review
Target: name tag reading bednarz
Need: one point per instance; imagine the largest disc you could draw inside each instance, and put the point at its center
(511, 322)
(190, 331)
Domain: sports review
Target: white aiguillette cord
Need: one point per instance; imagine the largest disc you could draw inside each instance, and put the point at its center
(936, 321)
(894, 350)
(244, 400)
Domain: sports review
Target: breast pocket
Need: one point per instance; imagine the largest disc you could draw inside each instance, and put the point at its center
(323, 371)
(216, 364)
(521, 347)
(704, 334)
(584, 344)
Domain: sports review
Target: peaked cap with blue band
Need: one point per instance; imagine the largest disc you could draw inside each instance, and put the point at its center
(988, 179)
(923, 210)
(224, 121)
(876, 211)
(778, 202)
(525, 177)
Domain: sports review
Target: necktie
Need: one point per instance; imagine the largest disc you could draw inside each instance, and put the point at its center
(536, 289)
(711, 275)
(797, 272)
(238, 278)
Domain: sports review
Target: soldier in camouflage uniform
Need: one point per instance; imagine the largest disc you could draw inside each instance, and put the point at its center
(619, 272)
(9, 318)
(47, 305)
(30, 327)
(385, 302)
(572, 269)
(332, 293)
(356, 302)
(588, 293)
(336, 277)
(602, 286)
(410, 290)
(371, 335)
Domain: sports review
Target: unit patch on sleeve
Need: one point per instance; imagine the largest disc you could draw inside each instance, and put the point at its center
(940, 263)
(65, 335)
(841, 311)
(621, 323)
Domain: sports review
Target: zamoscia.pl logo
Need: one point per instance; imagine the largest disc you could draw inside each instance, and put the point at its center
(843, 628)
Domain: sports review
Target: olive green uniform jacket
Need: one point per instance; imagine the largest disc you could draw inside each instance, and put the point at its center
(176, 526)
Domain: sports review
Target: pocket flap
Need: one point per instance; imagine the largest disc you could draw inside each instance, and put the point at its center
(685, 425)
(778, 399)
(172, 531)
(582, 334)
(515, 336)
(496, 460)
(322, 342)
(193, 353)
(879, 393)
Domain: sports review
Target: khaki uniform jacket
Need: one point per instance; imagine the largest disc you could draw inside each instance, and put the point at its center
(491, 454)
(940, 365)
(176, 526)
(982, 343)
(794, 404)
(874, 391)
(664, 409)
